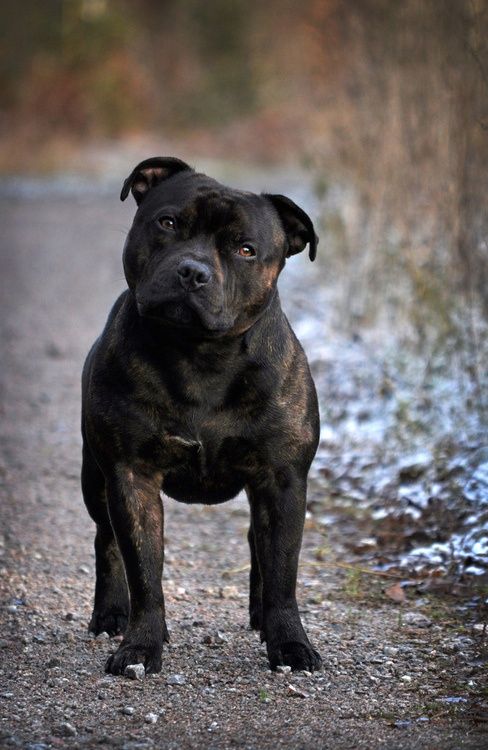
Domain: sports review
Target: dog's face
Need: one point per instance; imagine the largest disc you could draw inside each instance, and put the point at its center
(204, 257)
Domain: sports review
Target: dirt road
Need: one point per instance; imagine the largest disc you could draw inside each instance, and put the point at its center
(391, 678)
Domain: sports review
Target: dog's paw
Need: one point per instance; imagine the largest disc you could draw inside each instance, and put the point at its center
(112, 621)
(135, 653)
(294, 654)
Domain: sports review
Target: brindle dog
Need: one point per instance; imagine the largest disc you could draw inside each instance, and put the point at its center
(199, 387)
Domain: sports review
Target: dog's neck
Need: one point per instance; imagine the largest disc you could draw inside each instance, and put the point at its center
(161, 337)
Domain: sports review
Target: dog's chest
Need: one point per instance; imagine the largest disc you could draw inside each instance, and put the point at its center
(206, 462)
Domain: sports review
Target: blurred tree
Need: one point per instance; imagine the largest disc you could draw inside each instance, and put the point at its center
(390, 97)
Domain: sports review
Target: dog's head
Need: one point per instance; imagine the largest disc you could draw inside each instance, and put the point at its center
(202, 256)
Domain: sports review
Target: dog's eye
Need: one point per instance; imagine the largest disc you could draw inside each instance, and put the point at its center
(246, 251)
(166, 222)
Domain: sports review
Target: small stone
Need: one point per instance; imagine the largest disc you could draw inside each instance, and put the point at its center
(103, 636)
(151, 718)
(176, 679)
(229, 592)
(67, 730)
(207, 640)
(71, 617)
(416, 620)
(84, 569)
(128, 710)
(135, 671)
(220, 637)
(12, 608)
(406, 678)
(480, 627)
(294, 692)
(283, 669)
(390, 651)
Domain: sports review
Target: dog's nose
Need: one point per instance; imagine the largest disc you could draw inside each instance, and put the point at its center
(192, 274)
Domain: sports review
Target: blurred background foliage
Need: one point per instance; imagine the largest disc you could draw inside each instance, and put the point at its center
(384, 103)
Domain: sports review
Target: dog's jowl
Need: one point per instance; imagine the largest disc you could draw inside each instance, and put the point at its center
(199, 388)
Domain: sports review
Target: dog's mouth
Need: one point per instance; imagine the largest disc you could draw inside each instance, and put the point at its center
(180, 314)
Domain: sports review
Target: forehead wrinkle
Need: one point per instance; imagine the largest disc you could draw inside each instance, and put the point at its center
(214, 212)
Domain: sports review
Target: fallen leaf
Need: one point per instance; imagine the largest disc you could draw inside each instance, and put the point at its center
(396, 593)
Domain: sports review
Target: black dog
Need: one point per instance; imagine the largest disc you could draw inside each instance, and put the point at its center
(198, 387)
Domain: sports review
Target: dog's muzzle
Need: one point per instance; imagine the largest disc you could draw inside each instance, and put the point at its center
(192, 274)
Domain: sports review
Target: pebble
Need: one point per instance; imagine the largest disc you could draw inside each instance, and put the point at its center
(151, 718)
(229, 592)
(11, 608)
(294, 692)
(176, 679)
(71, 616)
(67, 730)
(220, 637)
(135, 671)
(416, 620)
(283, 669)
(406, 678)
(480, 627)
(390, 651)
(128, 710)
(84, 569)
(103, 636)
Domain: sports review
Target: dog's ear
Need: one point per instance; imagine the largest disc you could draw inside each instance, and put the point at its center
(150, 173)
(297, 225)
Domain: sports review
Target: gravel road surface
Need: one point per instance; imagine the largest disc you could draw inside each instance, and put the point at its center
(391, 678)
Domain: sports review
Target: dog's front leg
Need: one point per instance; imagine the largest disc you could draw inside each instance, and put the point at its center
(136, 514)
(278, 513)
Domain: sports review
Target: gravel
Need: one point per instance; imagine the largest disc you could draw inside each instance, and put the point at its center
(135, 671)
(176, 679)
(416, 620)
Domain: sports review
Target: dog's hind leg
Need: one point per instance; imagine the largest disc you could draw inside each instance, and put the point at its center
(255, 585)
(111, 607)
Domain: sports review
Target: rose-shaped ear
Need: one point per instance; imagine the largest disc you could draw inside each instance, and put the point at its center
(297, 225)
(150, 173)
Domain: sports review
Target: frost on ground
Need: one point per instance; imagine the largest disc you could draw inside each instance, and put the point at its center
(393, 570)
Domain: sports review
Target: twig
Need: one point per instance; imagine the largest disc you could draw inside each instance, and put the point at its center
(323, 564)
(349, 566)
